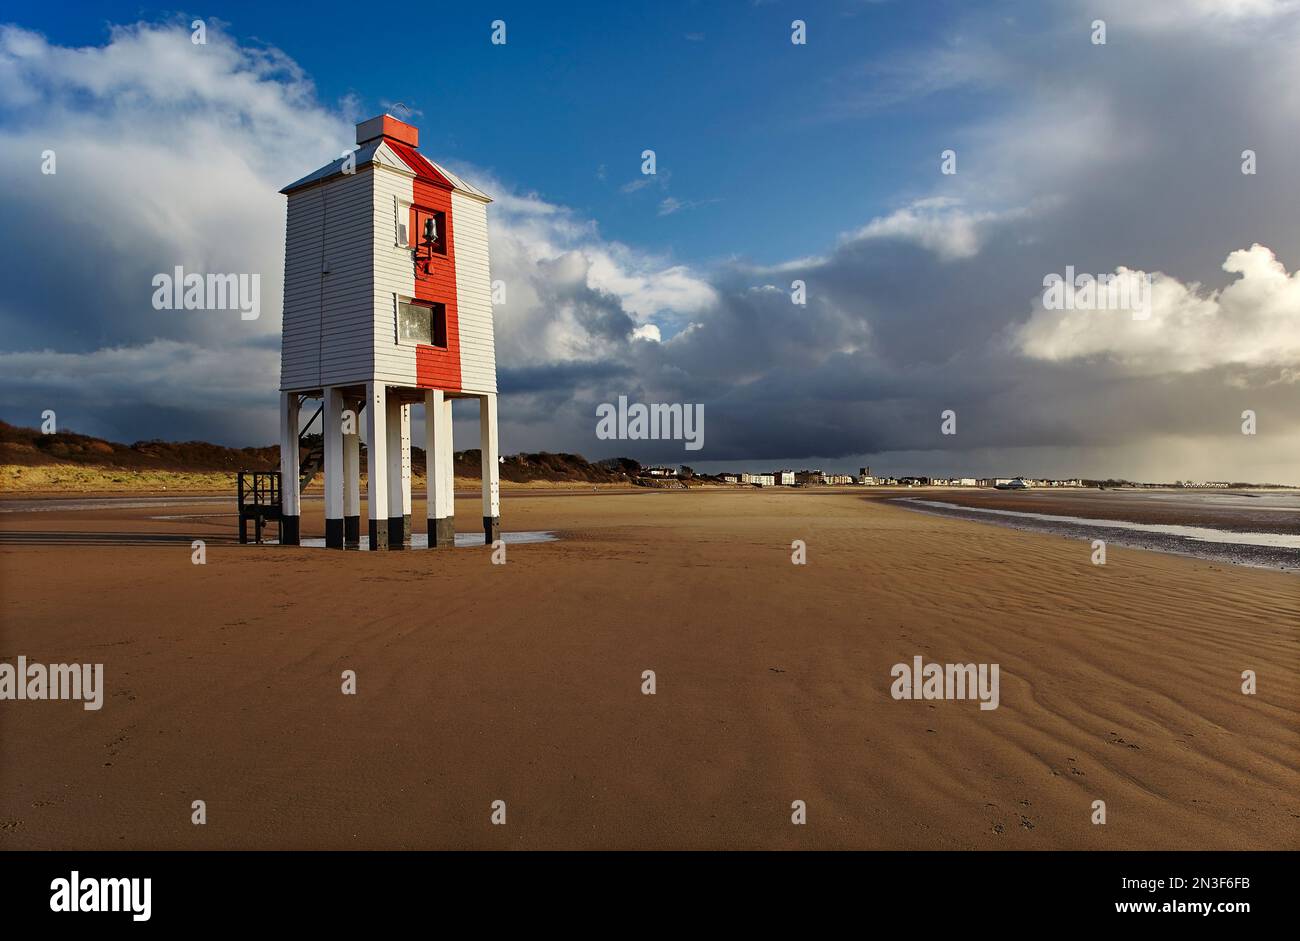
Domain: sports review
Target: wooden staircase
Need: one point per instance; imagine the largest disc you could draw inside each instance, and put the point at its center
(313, 462)
(310, 465)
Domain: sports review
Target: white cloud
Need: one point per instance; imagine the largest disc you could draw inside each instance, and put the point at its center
(644, 286)
(1164, 14)
(1253, 322)
(173, 154)
(168, 153)
(567, 286)
(672, 204)
(937, 224)
(961, 62)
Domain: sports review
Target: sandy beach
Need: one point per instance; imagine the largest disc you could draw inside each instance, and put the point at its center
(522, 682)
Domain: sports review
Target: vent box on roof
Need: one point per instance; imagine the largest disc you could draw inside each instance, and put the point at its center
(388, 126)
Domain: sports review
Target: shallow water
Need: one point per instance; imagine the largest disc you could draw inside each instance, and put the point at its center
(421, 540)
(1202, 533)
(39, 505)
(1267, 550)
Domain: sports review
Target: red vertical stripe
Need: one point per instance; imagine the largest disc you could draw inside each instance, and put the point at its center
(435, 276)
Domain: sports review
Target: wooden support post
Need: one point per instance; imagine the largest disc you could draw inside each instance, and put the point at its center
(488, 448)
(290, 507)
(377, 463)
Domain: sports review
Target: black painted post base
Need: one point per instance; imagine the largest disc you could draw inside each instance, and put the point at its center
(378, 534)
(396, 538)
(442, 533)
(491, 529)
(289, 531)
(334, 534)
(352, 531)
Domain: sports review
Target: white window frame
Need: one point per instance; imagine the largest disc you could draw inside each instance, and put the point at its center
(399, 300)
(432, 307)
(401, 222)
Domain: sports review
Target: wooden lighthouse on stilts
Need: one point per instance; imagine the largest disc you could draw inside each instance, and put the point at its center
(387, 304)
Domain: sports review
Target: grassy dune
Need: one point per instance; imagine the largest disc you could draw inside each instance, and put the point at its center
(75, 478)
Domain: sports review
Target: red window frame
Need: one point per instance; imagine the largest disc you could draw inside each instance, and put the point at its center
(416, 238)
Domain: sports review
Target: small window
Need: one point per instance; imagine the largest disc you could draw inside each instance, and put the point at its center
(422, 323)
(429, 233)
(440, 325)
(402, 214)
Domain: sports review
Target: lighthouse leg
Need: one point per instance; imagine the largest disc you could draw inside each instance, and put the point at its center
(487, 422)
(394, 425)
(377, 463)
(442, 524)
(447, 470)
(290, 508)
(352, 479)
(406, 474)
(332, 432)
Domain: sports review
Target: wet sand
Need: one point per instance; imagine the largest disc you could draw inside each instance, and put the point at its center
(1273, 543)
(1263, 511)
(523, 683)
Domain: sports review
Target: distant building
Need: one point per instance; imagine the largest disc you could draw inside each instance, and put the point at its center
(660, 472)
(731, 478)
(784, 478)
(838, 480)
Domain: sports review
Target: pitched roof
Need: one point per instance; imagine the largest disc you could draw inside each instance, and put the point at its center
(364, 155)
(393, 153)
(425, 168)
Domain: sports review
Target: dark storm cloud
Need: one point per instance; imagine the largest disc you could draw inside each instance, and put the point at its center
(560, 376)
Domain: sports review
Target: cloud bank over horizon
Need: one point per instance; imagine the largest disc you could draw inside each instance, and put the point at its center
(1084, 157)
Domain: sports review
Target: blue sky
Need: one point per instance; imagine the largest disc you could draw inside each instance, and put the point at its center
(743, 122)
(818, 163)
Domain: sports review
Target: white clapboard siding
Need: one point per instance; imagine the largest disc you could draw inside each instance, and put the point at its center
(328, 336)
(394, 275)
(478, 367)
(346, 344)
(344, 272)
(300, 345)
